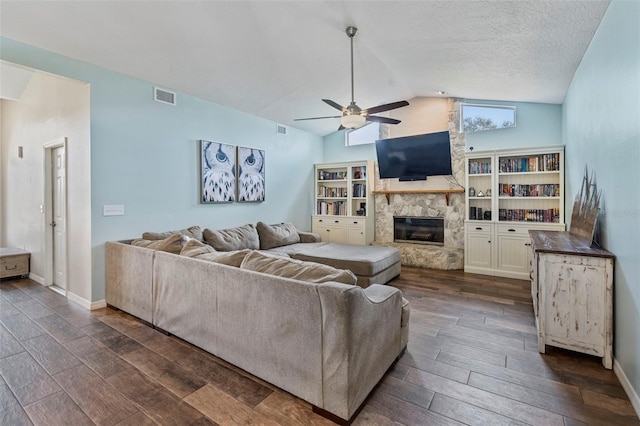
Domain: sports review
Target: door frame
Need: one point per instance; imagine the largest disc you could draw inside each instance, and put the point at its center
(48, 212)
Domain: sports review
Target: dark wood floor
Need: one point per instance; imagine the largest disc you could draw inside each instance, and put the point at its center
(472, 359)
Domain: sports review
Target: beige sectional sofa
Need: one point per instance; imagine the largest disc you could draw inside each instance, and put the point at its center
(328, 343)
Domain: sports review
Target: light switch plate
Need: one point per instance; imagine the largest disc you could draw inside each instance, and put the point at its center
(113, 210)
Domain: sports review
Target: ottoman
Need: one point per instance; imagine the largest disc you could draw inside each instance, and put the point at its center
(370, 264)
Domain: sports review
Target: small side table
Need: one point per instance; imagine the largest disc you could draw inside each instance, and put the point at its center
(14, 262)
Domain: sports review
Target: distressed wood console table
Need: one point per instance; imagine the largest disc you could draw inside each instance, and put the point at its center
(572, 290)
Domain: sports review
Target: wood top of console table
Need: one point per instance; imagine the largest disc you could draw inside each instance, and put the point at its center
(564, 242)
(11, 251)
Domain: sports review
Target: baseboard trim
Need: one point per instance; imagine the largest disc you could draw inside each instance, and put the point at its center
(626, 385)
(90, 306)
(36, 278)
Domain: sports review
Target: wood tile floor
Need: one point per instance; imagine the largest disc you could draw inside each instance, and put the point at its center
(472, 359)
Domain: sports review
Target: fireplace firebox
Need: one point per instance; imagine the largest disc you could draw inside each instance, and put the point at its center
(418, 230)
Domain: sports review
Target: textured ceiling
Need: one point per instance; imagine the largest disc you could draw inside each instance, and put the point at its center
(278, 59)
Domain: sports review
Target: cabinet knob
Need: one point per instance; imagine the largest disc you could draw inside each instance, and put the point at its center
(336, 221)
(489, 241)
(512, 230)
(478, 228)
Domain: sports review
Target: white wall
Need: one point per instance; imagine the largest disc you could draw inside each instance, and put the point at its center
(601, 129)
(51, 108)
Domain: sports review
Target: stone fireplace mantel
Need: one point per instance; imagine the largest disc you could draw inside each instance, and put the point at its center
(446, 192)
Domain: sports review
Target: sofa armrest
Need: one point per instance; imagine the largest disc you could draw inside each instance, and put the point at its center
(378, 293)
(129, 272)
(309, 237)
(361, 331)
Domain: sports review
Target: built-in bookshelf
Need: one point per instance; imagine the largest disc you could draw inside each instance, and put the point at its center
(343, 202)
(509, 192)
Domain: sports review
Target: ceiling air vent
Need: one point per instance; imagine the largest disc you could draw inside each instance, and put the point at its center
(163, 95)
(281, 130)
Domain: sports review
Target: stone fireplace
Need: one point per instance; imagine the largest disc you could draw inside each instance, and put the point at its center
(402, 202)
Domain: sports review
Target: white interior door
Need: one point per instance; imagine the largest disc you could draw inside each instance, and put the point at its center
(59, 216)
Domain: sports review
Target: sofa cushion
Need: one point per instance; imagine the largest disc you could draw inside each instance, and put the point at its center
(361, 260)
(242, 237)
(291, 249)
(193, 248)
(296, 269)
(192, 232)
(278, 235)
(231, 258)
(173, 244)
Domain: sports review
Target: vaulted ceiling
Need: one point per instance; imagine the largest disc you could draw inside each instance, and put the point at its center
(278, 59)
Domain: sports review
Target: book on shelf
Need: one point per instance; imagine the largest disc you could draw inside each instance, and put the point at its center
(359, 190)
(529, 190)
(334, 208)
(331, 191)
(538, 163)
(335, 175)
(477, 167)
(359, 172)
(529, 215)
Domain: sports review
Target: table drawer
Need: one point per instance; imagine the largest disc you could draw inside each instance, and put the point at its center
(14, 265)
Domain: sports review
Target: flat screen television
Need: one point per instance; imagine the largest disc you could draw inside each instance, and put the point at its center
(414, 157)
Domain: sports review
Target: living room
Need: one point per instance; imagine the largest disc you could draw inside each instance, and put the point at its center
(125, 149)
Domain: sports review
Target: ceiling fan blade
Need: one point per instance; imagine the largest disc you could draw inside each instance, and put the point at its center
(333, 104)
(385, 107)
(316, 118)
(385, 120)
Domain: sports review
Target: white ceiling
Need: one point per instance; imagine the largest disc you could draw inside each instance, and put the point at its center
(278, 59)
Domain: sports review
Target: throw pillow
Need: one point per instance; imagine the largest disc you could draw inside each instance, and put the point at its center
(297, 269)
(242, 237)
(193, 232)
(272, 236)
(194, 248)
(173, 244)
(231, 258)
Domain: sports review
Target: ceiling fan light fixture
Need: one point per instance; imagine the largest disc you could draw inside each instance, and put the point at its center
(353, 121)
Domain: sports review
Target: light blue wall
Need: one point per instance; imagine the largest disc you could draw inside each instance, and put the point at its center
(601, 129)
(335, 151)
(145, 155)
(536, 125)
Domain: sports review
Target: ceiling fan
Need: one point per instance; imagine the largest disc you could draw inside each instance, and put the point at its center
(353, 116)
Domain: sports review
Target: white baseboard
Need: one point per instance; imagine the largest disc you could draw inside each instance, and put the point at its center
(36, 278)
(85, 303)
(626, 385)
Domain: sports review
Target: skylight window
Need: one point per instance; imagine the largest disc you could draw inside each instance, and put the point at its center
(364, 135)
(478, 118)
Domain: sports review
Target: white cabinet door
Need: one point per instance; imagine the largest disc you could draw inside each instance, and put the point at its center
(355, 235)
(478, 250)
(513, 253)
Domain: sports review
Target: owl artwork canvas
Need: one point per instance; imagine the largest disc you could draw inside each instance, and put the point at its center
(251, 184)
(218, 172)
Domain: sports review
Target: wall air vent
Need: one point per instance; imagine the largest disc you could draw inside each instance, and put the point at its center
(281, 130)
(163, 95)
